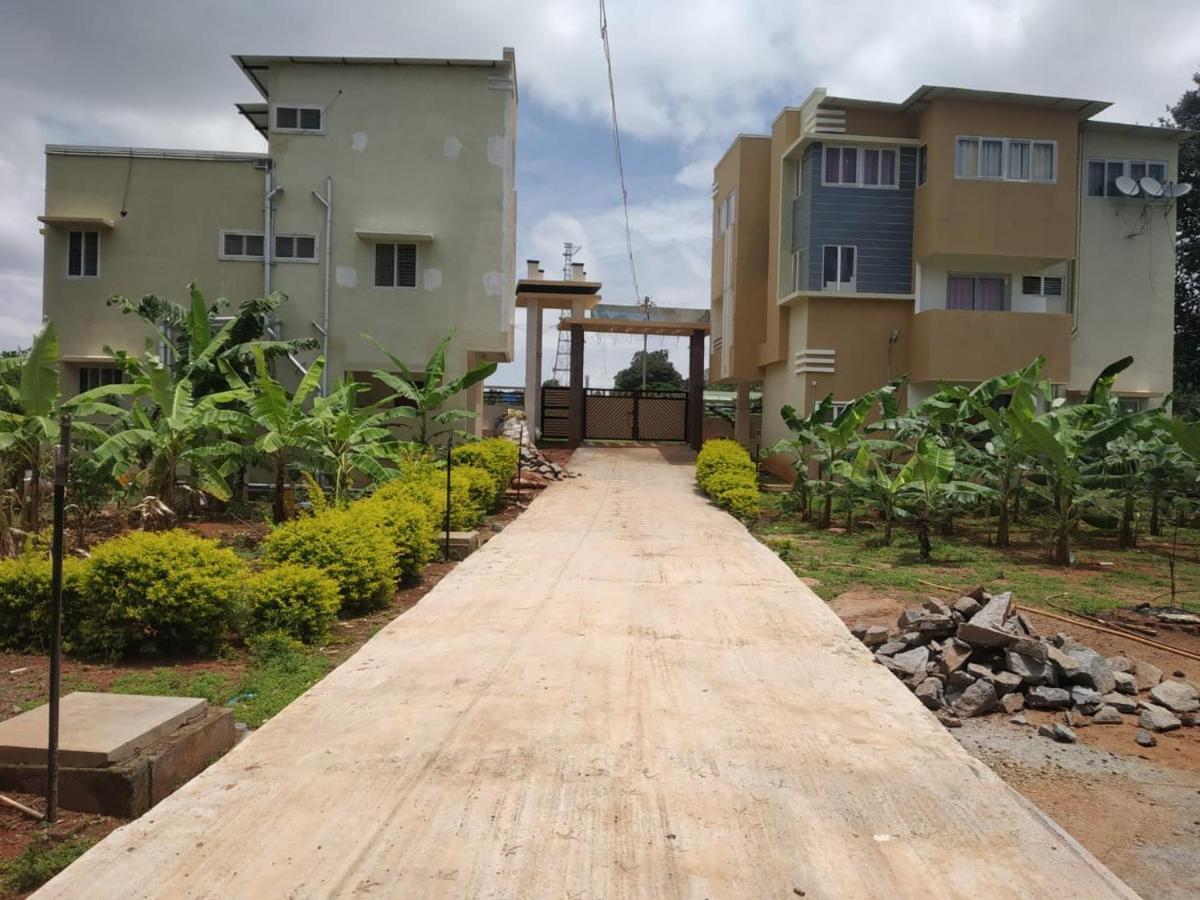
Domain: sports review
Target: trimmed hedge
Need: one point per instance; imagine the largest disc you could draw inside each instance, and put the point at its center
(409, 526)
(349, 546)
(727, 474)
(497, 456)
(25, 601)
(300, 601)
(158, 592)
(426, 484)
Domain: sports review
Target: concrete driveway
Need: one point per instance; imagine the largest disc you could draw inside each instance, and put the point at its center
(623, 695)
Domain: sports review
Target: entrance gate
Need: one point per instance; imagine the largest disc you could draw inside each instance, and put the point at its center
(615, 415)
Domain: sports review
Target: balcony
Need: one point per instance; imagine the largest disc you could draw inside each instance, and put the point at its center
(969, 346)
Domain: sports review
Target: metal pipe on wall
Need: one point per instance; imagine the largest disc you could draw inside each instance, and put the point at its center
(327, 202)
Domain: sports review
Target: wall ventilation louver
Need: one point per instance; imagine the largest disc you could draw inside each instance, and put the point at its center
(826, 121)
(819, 361)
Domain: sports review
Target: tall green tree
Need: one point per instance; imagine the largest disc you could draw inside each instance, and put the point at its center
(1185, 113)
(661, 374)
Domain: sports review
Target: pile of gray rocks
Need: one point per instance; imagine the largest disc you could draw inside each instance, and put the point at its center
(978, 655)
(513, 426)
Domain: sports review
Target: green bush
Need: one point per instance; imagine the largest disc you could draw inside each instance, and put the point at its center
(347, 545)
(426, 484)
(743, 502)
(409, 525)
(722, 481)
(298, 600)
(158, 592)
(497, 456)
(480, 485)
(25, 601)
(722, 455)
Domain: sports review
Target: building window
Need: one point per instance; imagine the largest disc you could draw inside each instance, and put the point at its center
(295, 247)
(1043, 285)
(396, 265)
(726, 212)
(837, 408)
(798, 278)
(861, 167)
(241, 245)
(298, 118)
(837, 267)
(91, 377)
(979, 292)
(798, 176)
(1005, 158)
(922, 164)
(1102, 174)
(83, 254)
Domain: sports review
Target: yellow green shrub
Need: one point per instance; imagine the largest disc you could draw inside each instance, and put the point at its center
(496, 455)
(349, 546)
(743, 502)
(158, 592)
(409, 525)
(722, 455)
(300, 601)
(25, 601)
(426, 484)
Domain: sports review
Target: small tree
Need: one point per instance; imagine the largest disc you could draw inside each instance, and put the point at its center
(928, 488)
(661, 374)
(353, 440)
(426, 396)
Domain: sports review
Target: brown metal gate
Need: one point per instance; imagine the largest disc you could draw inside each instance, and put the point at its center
(613, 415)
(556, 412)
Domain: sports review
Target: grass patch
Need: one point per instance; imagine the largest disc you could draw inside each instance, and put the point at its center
(841, 562)
(39, 862)
(280, 671)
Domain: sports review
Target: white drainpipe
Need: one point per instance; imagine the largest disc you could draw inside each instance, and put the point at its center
(327, 202)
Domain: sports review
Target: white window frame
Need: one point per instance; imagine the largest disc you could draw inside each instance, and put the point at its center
(395, 271)
(976, 277)
(82, 276)
(799, 279)
(1041, 291)
(1006, 143)
(921, 175)
(298, 107)
(275, 257)
(852, 284)
(726, 212)
(1126, 167)
(837, 407)
(798, 175)
(243, 233)
(861, 165)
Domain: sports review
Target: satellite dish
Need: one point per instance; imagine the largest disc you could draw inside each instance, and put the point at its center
(1179, 189)
(1126, 185)
(1151, 187)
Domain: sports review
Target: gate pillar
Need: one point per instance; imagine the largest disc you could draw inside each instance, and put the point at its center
(576, 415)
(695, 410)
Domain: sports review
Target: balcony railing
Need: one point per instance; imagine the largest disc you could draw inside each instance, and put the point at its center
(970, 346)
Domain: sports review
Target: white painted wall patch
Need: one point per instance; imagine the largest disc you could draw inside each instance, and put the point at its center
(497, 150)
(493, 283)
(346, 276)
(359, 141)
(431, 279)
(452, 146)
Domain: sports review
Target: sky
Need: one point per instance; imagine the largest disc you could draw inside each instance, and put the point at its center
(688, 77)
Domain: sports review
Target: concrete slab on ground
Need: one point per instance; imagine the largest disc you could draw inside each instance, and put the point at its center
(95, 729)
(621, 695)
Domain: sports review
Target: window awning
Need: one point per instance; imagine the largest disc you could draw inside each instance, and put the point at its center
(394, 235)
(93, 222)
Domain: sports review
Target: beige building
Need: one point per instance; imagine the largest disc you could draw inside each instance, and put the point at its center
(950, 237)
(384, 203)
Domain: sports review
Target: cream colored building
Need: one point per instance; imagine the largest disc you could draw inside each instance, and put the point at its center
(384, 203)
(950, 237)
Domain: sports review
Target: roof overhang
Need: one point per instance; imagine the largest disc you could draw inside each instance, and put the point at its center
(1151, 131)
(400, 236)
(94, 222)
(556, 301)
(257, 114)
(927, 93)
(256, 68)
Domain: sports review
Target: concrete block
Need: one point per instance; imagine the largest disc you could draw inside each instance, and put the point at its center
(95, 729)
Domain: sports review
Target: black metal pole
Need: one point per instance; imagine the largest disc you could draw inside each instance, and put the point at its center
(449, 465)
(520, 448)
(62, 457)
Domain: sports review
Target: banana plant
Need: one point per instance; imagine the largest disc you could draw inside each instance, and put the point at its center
(800, 447)
(285, 429)
(172, 431)
(1001, 460)
(422, 397)
(834, 440)
(29, 426)
(354, 441)
(927, 488)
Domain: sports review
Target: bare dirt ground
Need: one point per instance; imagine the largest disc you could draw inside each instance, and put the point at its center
(1136, 808)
